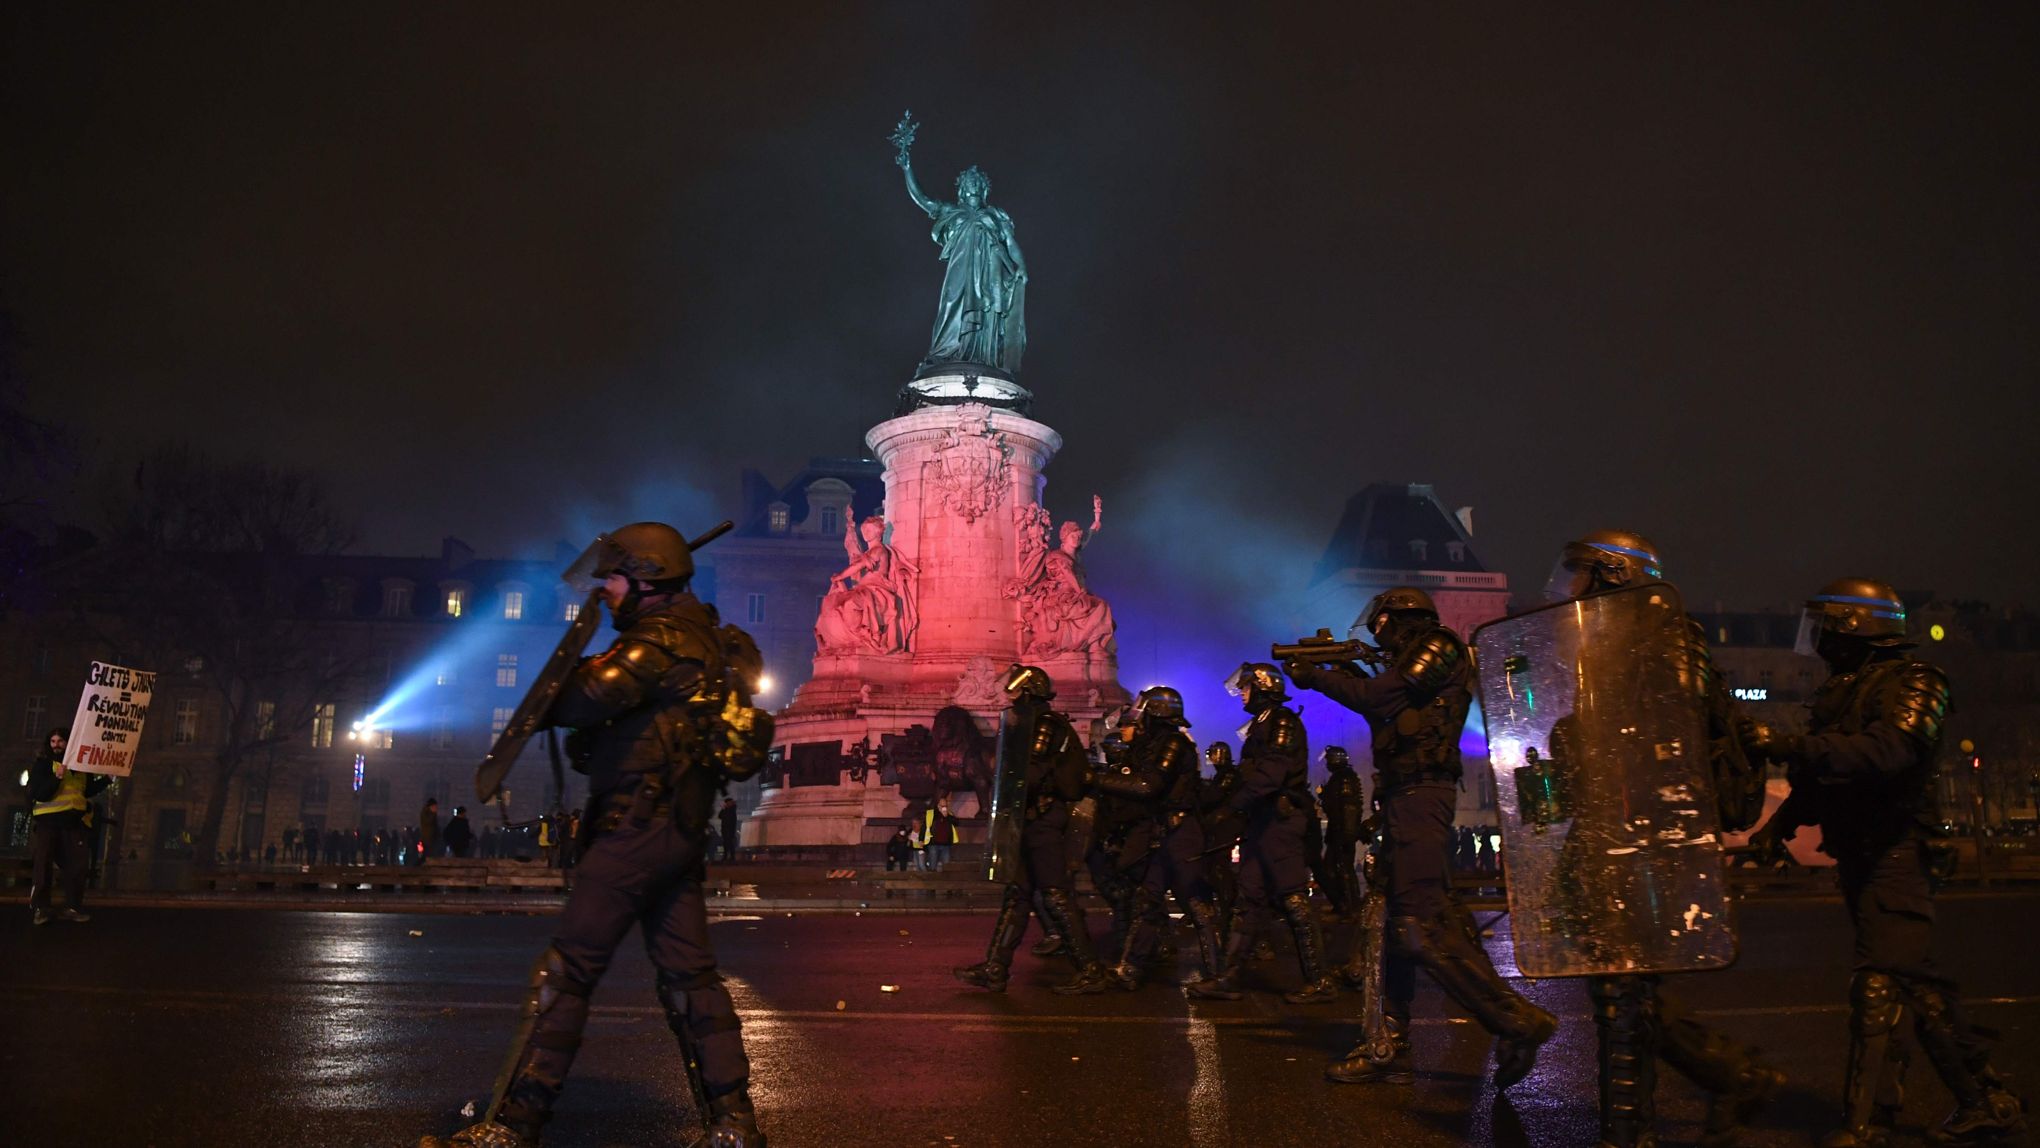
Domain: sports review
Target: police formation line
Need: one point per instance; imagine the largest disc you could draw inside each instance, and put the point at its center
(1600, 693)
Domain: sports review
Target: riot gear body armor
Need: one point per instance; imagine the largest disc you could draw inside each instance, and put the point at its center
(1054, 768)
(1863, 772)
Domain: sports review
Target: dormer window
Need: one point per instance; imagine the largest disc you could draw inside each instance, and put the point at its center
(831, 521)
(778, 516)
(396, 599)
(1419, 549)
(1456, 551)
(456, 601)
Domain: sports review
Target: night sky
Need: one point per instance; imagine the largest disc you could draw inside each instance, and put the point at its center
(1759, 282)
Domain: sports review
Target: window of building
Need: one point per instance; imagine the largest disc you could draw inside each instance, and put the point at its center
(44, 659)
(265, 719)
(442, 728)
(375, 791)
(1721, 635)
(437, 789)
(499, 720)
(506, 670)
(513, 605)
(313, 792)
(322, 726)
(185, 729)
(778, 516)
(832, 521)
(1420, 549)
(446, 676)
(1764, 678)
(339, 596)
(396, 601)
(573, 611)
(754, 608)
(1456, 551)
(456, 603)
(35, 717)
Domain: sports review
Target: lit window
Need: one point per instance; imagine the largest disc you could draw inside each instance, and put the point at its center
(831, 521)
(322, 726)
(186, 729)
(573, 611)
(1723, 635)
(456, 601)
(754, 608)
(385, 738)
(506, 670)
(442, 728)
(778, 517)
(34, 717)
(513, 605)
(499, 720)
(445, 677)
(265, 719)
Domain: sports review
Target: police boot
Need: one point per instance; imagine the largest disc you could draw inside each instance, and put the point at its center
(1126, 973)
(732, 1122)
(535, 1069)
(1462, 968)
(1318, 986)
(1051, 942)
(1983, 1115)
(992, 972)
(1204, 924)
(1223, 983)
(1738, 1085)
(1069, 921)
(1387, 1061)
(1625, 1015)
(1874, 1011)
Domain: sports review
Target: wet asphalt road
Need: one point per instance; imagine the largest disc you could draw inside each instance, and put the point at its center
(242, 1027)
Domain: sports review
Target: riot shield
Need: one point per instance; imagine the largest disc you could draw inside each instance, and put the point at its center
(1009, 797)
(1610, 832)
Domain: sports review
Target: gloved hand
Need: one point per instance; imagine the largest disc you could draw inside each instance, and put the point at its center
(1766, 844)
(1772, 744)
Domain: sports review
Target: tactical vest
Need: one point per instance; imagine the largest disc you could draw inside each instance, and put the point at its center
(1873, 812)
(1424, 745)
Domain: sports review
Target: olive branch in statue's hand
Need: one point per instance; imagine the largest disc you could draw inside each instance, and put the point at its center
(903, 138)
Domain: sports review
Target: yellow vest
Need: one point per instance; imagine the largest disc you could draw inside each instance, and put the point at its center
(70, 796)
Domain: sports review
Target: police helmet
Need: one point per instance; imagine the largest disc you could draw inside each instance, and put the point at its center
(642, 552)
(1161, 703)
(1219, 755)
(1603, 560)
(1335, 757)
(1257, 679)
(1857, 608)
(1023, 681)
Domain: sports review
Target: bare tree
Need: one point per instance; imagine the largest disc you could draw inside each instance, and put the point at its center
(208, 566)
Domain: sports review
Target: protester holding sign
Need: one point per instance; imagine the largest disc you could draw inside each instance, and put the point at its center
(62, 800)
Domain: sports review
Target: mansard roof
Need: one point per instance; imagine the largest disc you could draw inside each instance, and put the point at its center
(1384, 520)
(865, 477)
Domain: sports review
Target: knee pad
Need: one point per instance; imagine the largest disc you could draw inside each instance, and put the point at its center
(1874, 1004)
(1406, 937)
(551, 979)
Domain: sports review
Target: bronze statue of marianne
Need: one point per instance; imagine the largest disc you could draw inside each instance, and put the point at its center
(980, 319)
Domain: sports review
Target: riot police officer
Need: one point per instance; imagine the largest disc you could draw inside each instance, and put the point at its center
(1416, 706)
(1053, 779)
(651, 715)
(1272, 799)
(1635, 1020)
(1221, 832)
(1122, 838)
(1345, 807)
(1159, 774)
(1864, 772)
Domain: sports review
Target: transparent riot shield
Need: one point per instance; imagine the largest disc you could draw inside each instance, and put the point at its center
(1009, 798)
(1610, 834)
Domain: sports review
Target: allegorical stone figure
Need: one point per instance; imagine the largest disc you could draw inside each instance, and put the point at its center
(1864, 772)
(1416, 706)
(980, 318)
(872, 606)
(1058, 612)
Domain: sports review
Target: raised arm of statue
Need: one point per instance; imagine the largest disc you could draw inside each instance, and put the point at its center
(1097, 515)
(903, 139)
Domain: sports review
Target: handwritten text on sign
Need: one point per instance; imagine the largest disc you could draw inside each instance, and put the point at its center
(107, 730)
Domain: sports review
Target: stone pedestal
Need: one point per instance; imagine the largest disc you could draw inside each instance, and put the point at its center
(962, 482)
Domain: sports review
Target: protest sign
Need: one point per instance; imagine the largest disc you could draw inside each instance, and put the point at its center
(107, 731)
